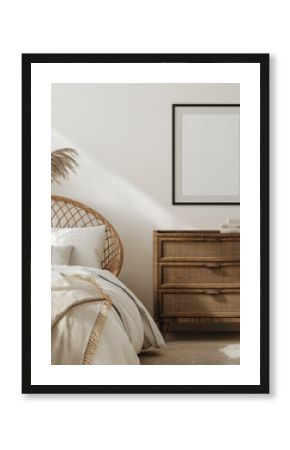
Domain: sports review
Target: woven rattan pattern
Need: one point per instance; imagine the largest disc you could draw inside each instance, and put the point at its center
(68, 213)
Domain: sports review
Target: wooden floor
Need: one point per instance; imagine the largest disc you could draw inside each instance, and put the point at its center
(195, 349)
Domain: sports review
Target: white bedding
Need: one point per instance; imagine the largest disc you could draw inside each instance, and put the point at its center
(128, 328)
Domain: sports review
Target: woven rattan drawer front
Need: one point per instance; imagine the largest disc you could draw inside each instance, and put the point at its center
(204, 274)
(200, 248)
(207, 303)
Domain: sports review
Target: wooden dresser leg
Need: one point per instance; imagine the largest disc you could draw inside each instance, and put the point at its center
(164, 328)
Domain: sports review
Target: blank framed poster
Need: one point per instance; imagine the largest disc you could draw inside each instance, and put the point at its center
(206, 154)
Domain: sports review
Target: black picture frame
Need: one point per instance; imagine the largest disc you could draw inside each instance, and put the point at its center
(199, 105)
(263, 61)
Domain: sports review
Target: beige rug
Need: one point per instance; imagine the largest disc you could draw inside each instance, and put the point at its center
(196, 349)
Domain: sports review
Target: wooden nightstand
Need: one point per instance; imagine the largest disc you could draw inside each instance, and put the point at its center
(196, 278)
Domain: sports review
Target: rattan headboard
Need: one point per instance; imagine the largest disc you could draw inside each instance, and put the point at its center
(68, 213)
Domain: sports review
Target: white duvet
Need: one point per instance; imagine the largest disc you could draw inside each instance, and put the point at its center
(128, 328)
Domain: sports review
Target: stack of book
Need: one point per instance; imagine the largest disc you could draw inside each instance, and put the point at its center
(231, 226)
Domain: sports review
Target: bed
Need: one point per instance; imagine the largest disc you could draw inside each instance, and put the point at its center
(96, 319)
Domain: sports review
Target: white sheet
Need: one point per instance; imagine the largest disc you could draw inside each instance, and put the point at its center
(128, 327)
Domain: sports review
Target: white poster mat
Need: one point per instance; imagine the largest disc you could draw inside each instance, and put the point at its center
(207, 142)
(248, 75)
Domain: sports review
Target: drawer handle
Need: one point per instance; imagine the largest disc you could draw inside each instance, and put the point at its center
(212, 292)
(206, 240)
(212, 266)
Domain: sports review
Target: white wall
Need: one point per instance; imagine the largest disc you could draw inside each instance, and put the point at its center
(123, 135)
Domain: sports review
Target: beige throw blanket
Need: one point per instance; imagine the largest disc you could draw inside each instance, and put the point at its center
(78, 313)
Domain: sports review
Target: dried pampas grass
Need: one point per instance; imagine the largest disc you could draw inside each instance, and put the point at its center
(63, 161)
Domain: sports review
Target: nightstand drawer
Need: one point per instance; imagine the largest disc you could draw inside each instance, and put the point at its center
(205, 248)
(203, 303)
(201, 274)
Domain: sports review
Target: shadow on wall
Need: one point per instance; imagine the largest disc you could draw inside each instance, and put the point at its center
(132, 212)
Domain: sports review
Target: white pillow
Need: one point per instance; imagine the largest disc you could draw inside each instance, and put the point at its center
(60, 254)
(87, 243)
